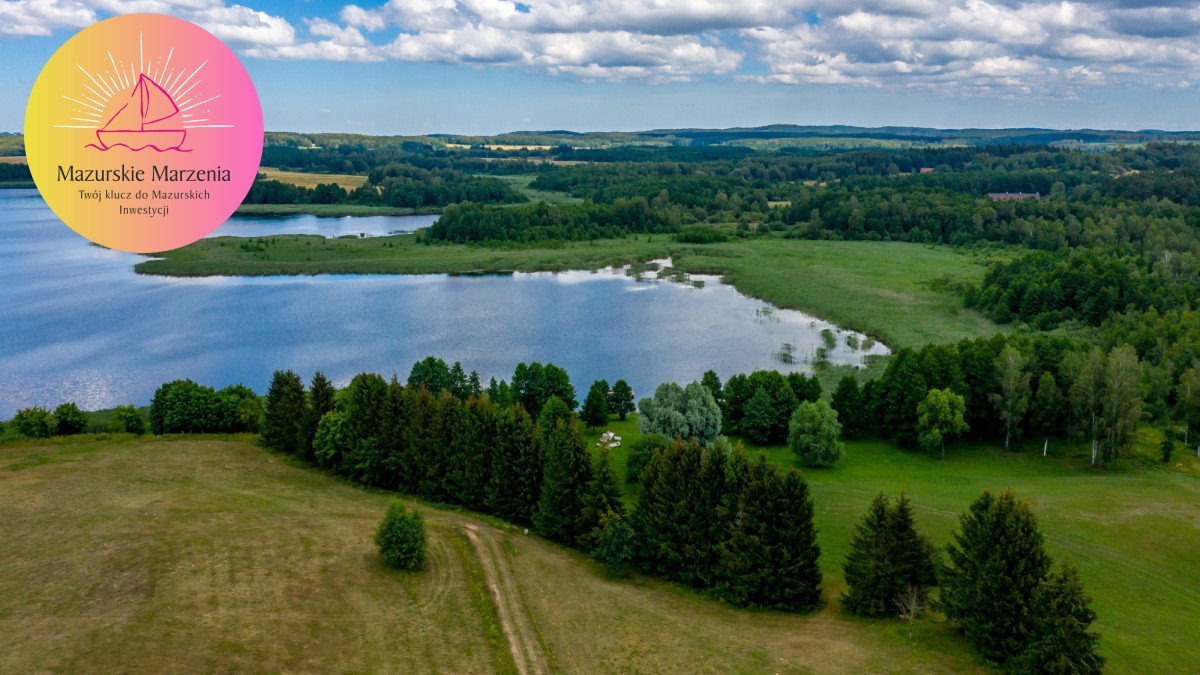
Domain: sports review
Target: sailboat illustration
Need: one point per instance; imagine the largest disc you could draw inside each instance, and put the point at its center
(150, 119)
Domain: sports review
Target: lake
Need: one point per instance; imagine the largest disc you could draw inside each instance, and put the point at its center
(79, 325)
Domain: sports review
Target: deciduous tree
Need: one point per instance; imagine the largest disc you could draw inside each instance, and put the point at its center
(940, 417)
(815, 434)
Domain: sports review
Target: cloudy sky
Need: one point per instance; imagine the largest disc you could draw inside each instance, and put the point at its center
(484, 66)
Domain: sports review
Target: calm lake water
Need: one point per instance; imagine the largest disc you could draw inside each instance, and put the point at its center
(79, 325)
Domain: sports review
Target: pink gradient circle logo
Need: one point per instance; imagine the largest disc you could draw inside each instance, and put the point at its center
(143, 133)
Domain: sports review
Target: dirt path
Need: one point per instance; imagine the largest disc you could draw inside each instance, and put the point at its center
(527, 651)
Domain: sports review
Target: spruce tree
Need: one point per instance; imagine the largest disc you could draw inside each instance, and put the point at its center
(996, 564)
(621, 402)
(603, 496)
(887, 556)
(283, 426)
(1061, 641)
(613, 546)
(320, 401)
(565, 480)
(595, 406)
(868, 567)
(770, 558)
(516, 467)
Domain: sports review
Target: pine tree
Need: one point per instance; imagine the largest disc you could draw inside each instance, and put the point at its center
(320, 401)
(565, 479)
(595, 405)
(1060, 641)
(996, 564)
(622, 399)
(283, 427)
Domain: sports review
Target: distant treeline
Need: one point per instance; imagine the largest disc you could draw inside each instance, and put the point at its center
(465, 223)
(15, 173)
(395, 185)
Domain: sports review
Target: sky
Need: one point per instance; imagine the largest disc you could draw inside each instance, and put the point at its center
(489, 66)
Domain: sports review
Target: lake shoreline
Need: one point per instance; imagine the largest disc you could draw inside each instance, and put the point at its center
(895, 303)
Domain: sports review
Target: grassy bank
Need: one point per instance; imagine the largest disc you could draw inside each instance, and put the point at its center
(397, 254)
(1132, 530)
(880, 288)
(212, 554)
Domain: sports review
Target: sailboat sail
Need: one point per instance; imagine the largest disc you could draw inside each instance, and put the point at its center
(148, 119)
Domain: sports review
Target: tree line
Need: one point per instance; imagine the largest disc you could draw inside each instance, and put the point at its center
(487, 453)
(394, 185)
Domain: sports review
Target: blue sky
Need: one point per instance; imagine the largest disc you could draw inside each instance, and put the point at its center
(486, 66)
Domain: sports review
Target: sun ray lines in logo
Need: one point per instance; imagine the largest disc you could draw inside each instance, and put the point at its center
(104, 89)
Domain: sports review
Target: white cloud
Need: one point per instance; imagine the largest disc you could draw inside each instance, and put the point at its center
(34, 17)
(967, 47)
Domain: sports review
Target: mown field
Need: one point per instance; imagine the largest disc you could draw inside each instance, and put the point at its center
(881, 288)
(213, 554)
(1133, 530)
(311, 180)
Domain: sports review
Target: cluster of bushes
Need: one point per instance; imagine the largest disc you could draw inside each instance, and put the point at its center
(760, 405)
(182, 406)
(68, 420)
(998, 584)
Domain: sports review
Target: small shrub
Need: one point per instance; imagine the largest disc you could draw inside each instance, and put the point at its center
(401, 538)
(33, 422)
(69, 419)
(127, 419)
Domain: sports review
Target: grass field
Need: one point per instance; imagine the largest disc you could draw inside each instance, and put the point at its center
(1132, 530)
(879, 288)
(311, 180)
(213, 554)
(13, 160)
(520, 183)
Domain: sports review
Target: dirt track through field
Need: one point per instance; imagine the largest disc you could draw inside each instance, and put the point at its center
(523, 641)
